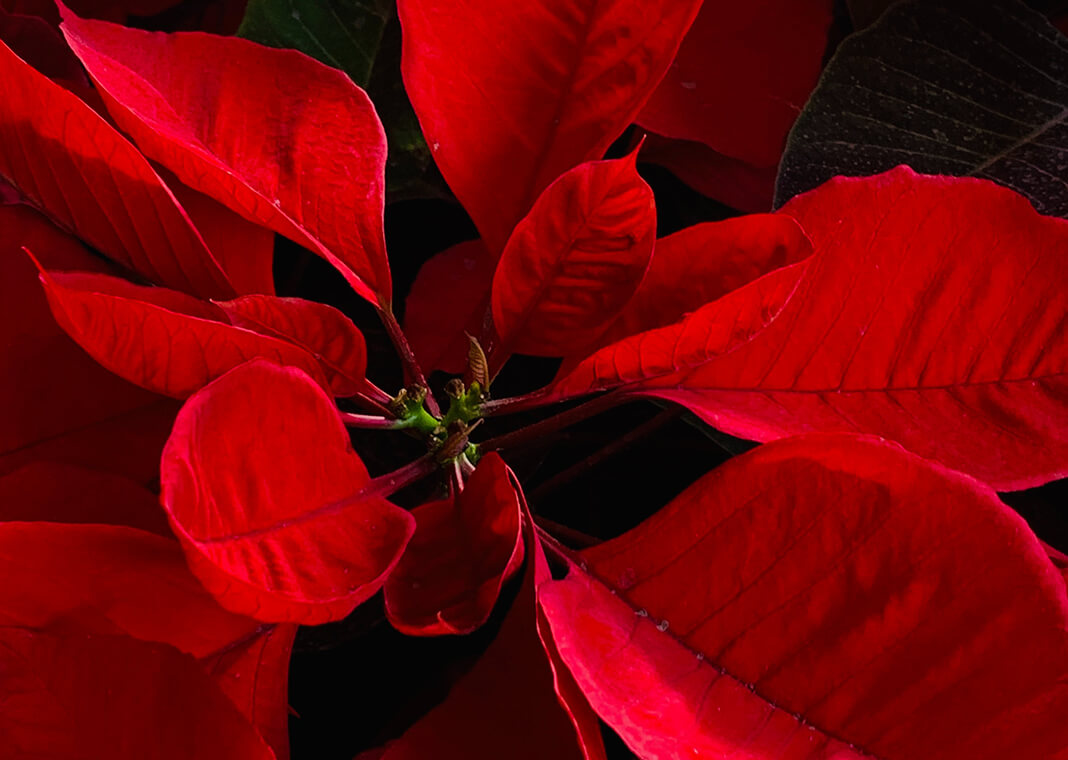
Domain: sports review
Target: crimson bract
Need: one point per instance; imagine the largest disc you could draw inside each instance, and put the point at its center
(191, 466)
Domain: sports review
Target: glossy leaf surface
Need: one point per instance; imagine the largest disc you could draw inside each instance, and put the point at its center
(575, 260)
(820, 597)
(321, 330)
(75, 167)
(932, 314)
(512, 94)
(264, 490)
(463, 551)
(281, 139)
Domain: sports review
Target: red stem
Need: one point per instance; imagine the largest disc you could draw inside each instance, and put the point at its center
(413, 373)
(367, 421)
(391, 482)
(554, 423)
(515, 404)
(588, 463)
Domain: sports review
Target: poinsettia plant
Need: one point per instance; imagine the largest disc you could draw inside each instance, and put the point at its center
(226, 512)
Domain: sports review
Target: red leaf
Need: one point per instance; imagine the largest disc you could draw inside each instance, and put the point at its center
(735, 183)
(264, 490)
(321, 330)
(109, 579)
(159, 339)
(705, 262)
(40, 44)
(658, 358)
(450, 297)
(69, 162)
(821, 591)
(741, 77)
(59, 404)
(63, 493)
(511, 95)
(87, 695)
(255, 676)
(283, 140)
(504, 707)
(932, 314)
(575, 260)
(463, 551)
(244, 250)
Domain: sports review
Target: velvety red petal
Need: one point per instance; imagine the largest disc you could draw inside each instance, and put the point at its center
(281, 139)
(321, 330)
(87, 695)
(264, 490)
(70, 162)
(463, 551)
(824, 596)
(575, 260)
(510, 95)
(161, 340)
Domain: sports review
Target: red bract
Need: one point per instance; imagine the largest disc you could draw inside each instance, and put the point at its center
(59, 405)
(821, 597)
(575, 260)
(463, 551)
(275, 510)
(832, 593)
(107, 579)
(944, 335)
(69, 693)
(504, 707)
(445, 303)
(92, 181)
(183, 343)
(728, 131)
(321, 330)
(305, 163)
(566, 79)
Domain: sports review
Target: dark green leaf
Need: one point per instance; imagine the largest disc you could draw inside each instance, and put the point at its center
(344, 34)
(865, 12)
(951, 87)
(362, 38)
